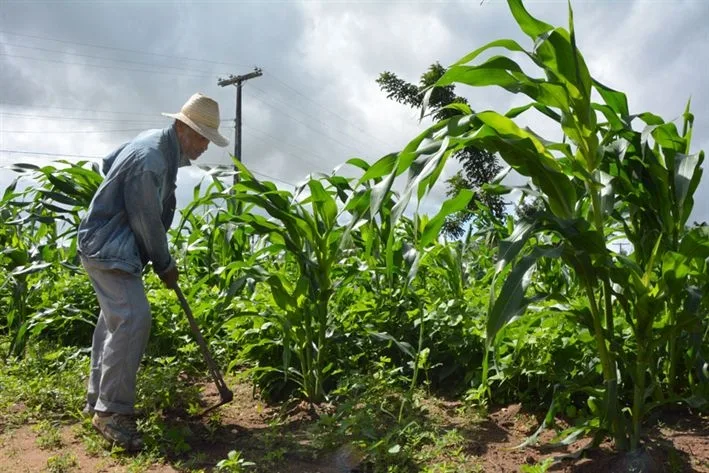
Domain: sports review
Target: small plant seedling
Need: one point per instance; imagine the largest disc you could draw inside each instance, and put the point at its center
(48, 436)
(61, 463)
(234, 463)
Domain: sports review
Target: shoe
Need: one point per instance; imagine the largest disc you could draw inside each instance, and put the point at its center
(119, 429)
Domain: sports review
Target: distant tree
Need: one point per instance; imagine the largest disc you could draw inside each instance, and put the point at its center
(479, 167)
(528, 209)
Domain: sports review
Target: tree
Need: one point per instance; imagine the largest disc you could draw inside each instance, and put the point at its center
(478, 166)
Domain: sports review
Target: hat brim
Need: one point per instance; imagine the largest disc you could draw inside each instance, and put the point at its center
(210, 133)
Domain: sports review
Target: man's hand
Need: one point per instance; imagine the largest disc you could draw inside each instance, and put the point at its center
(170, 276)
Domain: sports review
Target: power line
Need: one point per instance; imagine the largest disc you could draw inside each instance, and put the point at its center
(102, 66)
(155, 123)
(104, 58)
(157, 116)
(83, 156)
(281, 112)
(289, 145)
(226, 167)
(24, 132)
(312, 117)
(349, 122)
(49, 117)
(273, 177)
(61, 155)
(279, 81)
(11, 104)
(126, 130)
(300, 158)
(135, 51)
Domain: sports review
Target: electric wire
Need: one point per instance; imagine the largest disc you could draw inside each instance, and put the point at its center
(306, 125)
(284, 147)
(134, 51)
(51, 117)
(266, 73)
(15, 104)
(101, 66)
(84, 156)
(311, 117)
(335, 114)
(264, 101)
(69, 132)
(104, 58)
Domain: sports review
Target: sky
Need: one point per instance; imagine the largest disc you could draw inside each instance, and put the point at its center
(78, 78)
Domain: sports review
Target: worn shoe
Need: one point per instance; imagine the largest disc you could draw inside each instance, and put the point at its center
(119, 429)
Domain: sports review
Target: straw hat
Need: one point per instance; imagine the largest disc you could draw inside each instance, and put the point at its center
(201, 113)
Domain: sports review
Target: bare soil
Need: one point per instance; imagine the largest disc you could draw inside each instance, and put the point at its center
(677, 441)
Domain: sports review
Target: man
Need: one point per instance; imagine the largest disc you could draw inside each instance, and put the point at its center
(124, 229)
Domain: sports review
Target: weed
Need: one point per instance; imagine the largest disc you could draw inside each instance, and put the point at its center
(538, 467)
(61, 463)
(44, 385)
(48, 436)
(234, 463)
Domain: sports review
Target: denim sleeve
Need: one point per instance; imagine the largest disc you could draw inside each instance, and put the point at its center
(109, 160)
(144, 210)
(168, 211)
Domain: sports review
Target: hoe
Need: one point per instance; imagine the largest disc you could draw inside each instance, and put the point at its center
(225, 393)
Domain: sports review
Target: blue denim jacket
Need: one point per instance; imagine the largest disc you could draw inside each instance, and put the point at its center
(127, 222)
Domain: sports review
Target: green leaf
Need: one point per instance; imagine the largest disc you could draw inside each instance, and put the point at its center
(512, 245)
(29, 269)
(506, 73)
(450, 206)
(511, 302)
(61, 198)
(530, 25)
(379, 193)
(500, 43)
(422, 174)
(514, 112)
(379, 169)
(675, 266)
(323, 202)
(695, 243)
(403, 346)
(617, 101)
(688, 173)
(605, 181)
(526, 153)
(280, 294)
(358, 162)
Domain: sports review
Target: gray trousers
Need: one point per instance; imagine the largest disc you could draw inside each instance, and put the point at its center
(119, 340)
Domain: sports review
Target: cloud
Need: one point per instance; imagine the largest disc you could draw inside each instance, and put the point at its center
(317, 103)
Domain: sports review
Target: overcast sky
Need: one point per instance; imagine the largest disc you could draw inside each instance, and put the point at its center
(78, 78)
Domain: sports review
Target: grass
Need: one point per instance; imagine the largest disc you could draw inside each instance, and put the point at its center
(46, 390)
(49, 437)
(61, 463)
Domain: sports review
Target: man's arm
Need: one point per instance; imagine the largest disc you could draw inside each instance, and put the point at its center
(168, 211)
(144, 210)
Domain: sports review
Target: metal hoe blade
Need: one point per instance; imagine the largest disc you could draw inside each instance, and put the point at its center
(224, 392)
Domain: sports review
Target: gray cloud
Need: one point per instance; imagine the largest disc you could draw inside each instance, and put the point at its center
(317, 103)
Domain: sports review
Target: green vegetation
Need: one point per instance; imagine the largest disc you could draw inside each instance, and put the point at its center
(333, 295)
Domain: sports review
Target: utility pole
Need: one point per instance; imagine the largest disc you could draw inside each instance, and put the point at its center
(237, 81)
(621, 245)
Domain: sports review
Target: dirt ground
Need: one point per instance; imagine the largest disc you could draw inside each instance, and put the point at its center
(678, 442)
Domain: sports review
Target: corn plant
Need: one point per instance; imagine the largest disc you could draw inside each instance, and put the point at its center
(606, 178)
(305, 237)
(39, 231)
(207, 235)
